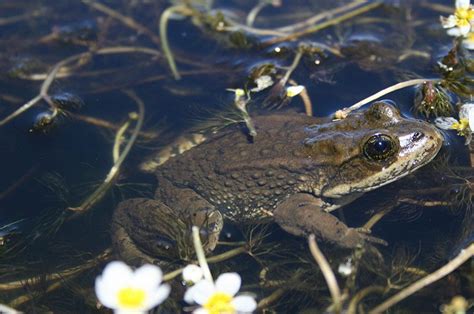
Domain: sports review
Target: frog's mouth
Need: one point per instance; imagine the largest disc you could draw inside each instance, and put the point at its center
(411, 156)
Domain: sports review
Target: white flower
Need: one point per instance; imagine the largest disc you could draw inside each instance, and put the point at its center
(219, 298)
(127, 291)
(468, 41)
(262, 82)
(459, 23)
(465, 125)
(293, 91)
(192, 273)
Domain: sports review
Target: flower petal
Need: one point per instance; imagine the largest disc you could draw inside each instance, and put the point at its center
(464, 29)
(465, 110)
(455, 31)
(468, 111)
(445, 123)
(462, 4)
(244, 303)
(200, 292)
(158, 296)
(115, 276)
(448, 22)
(200, 310)
(192, 273)
(148, 277)
(105, 296)
(468, 43)
(228, 283)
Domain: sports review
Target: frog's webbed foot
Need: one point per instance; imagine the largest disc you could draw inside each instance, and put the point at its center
(146, 230)
(302, 214)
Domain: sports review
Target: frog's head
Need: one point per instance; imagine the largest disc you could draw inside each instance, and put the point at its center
(370, 148)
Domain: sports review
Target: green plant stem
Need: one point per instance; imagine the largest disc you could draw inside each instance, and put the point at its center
(201, 256)
(326, 24)
(164, 37)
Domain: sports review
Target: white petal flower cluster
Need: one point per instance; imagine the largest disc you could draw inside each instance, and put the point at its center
(465, 124)
(127, 291)
(220, 297)
(461, 23)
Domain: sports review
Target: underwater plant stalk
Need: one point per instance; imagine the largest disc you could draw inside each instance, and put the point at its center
(323, 25)
(43, 94)
(213, 259)
(327, 272)
(126, 20)
(342, 113)
(201, 256)
(360, 295)
(451, 266)
(164, 37)
(103, 188)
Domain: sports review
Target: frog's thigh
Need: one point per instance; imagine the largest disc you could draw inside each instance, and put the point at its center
(145, 228)
(301, 215)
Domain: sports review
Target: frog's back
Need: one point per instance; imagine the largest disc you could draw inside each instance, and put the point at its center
(244, 176)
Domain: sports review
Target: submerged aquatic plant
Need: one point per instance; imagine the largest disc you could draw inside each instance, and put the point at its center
(127, 291)
(432, 100)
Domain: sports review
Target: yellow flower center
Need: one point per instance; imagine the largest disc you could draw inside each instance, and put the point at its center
(131, 298)
(464, 16)
(460, 126)
(220, 303)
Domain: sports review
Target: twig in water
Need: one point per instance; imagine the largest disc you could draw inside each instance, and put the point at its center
(164, 37)
(342, 114)
(201, 256)
(327, 273)
(256, 10)
(308, 106)
(126, 20)
(265, 302)
(43, 94)
(119, 158)
(213, 259)
(462, 257)
(323, 25)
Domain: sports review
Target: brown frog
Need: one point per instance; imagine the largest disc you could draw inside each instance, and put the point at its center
(294, 172)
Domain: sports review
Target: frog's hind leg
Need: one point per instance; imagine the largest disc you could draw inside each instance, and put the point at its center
(149, 231)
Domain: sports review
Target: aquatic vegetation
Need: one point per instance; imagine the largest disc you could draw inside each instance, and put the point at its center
(127, 291)
(77, 65)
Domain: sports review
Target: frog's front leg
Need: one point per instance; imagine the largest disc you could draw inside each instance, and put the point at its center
(303, 214)
(146, 230)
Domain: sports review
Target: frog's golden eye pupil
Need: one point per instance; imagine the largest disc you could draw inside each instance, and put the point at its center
(379, 147)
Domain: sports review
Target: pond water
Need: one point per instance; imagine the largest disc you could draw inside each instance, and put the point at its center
(89, 68)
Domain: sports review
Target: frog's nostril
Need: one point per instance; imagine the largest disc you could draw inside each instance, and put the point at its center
(417, 136)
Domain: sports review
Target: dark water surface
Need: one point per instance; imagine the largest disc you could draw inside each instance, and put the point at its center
(50, 167)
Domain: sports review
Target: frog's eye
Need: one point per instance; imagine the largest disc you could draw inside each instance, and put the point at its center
(379, 147)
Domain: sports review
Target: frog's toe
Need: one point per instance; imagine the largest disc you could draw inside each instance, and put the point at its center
(368, 238)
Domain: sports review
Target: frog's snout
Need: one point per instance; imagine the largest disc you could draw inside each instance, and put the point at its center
(429, 137)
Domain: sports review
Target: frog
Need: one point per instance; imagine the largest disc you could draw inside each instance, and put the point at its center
(295, 172)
